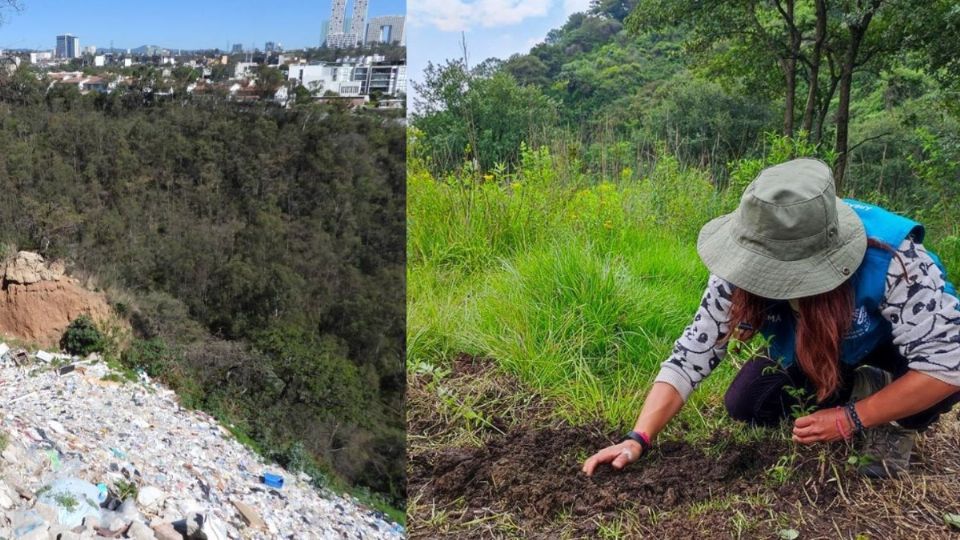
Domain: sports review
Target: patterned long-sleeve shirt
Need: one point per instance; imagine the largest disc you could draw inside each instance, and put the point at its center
(925, 321)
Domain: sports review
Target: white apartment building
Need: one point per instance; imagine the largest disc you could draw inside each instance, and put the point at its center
(351, 79)
(386, 29)
(42, 56)
(320, 78)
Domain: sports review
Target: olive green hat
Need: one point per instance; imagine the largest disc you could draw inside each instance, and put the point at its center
(790, 237)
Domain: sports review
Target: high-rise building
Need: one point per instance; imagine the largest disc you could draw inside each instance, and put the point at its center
(386, 29)
(269, 47)
(68, 46)
(358, 24)
(346, 32)
(237, 48)
(335, 30)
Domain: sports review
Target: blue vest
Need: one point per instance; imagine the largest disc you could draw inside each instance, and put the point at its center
(868, 328)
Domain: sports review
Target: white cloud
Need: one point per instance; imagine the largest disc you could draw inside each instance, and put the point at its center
(574, 6)
(456, 15)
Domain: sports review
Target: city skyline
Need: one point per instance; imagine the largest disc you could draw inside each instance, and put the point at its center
(177, 24)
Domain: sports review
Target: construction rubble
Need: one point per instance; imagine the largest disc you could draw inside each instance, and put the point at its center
(87, 454)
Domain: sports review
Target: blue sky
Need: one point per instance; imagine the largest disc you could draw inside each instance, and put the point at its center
(188, 24)
(493, 28)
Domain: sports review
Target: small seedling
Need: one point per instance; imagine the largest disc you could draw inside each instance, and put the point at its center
(782, 470)
(125, 490)
(741, 352)
(857, 461)
(806, 403)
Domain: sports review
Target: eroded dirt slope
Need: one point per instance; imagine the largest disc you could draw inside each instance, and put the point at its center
(38, 300)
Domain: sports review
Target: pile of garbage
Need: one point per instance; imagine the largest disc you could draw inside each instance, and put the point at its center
(86, 454)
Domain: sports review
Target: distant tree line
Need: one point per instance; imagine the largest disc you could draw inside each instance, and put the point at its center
(871, 84)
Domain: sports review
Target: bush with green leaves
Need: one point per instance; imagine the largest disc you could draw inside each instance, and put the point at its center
(151, 355)
(82, 337)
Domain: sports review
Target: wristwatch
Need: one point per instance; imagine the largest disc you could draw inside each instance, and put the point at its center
(642, 438)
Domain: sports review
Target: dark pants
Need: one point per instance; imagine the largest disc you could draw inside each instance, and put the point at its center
(759, 393)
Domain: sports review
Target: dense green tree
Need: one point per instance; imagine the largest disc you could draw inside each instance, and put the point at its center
(467, 116)
(746, 39)
(256, 251)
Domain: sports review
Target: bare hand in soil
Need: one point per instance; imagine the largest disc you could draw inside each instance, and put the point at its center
(618, 456)
(820, 426)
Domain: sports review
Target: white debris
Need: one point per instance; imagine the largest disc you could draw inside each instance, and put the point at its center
(44, 356)
(150, 496)
(181, 470)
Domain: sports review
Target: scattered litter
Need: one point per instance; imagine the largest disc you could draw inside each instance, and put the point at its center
(21, 358)
(126, 460)
(273, 480)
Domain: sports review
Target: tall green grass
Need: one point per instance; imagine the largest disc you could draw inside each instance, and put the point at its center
(579, 288)
(588, 325)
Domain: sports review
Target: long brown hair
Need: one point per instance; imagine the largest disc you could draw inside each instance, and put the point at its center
(823, 322)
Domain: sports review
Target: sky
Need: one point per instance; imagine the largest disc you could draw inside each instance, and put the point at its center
(493, 28)
(186, 24)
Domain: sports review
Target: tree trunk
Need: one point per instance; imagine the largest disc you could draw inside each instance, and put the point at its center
(824, 108)
(790, 69)
(819, 37)
(843, 107)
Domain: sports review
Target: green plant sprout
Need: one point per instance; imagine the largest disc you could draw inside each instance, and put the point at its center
(126, 490)
(741, 352)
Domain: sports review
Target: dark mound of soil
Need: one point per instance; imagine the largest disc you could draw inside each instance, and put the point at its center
(536, 475)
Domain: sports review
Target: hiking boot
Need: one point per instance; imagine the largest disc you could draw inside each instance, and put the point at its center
(887, 447)
(868, 380)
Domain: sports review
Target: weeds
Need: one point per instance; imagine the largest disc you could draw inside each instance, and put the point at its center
(781, 472)
(125, 490)
(66, 500)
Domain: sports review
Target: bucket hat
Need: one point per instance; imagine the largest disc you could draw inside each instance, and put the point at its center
(790, 237)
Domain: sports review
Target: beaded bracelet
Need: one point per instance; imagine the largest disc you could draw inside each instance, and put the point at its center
(854, 417)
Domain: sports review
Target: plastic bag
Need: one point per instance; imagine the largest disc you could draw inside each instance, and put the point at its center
(73, 499)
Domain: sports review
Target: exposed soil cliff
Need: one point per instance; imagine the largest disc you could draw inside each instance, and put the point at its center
(38, 300)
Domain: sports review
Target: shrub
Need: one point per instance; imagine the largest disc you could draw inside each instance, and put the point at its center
(151, 355)
(82, 337)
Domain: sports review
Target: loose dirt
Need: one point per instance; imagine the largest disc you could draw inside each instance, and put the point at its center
(535, 475)
(526, 480)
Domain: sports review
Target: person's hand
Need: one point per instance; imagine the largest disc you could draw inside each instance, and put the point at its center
(821, 426)
(618, 456)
